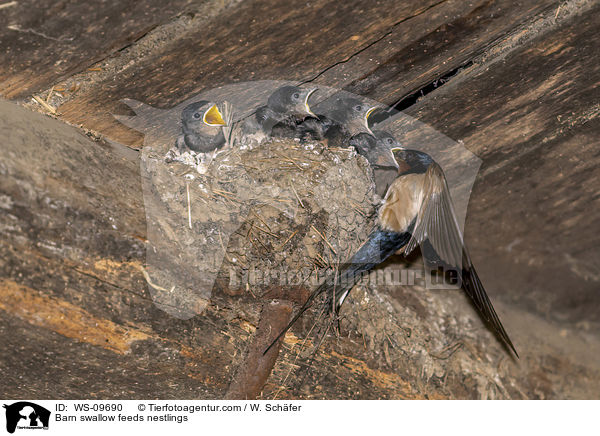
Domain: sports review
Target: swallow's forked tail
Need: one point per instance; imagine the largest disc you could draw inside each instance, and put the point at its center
(474, 289)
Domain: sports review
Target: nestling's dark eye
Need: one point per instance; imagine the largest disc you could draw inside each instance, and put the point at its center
(390, 141)
(296, 96)
(358, 108)
(196, 115)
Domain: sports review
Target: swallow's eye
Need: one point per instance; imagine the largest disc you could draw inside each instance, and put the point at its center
(390, 141)
(296, 96)
(358, 108)
(197, 115)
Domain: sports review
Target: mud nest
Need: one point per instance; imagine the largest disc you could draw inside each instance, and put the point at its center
(279, 214)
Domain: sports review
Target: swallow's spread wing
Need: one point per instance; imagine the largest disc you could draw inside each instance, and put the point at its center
(436, 220)
(436, 224)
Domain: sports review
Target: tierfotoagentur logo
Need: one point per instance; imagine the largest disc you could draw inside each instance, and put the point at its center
(25, 415)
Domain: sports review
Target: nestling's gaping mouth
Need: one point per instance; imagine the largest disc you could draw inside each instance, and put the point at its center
(306, 106)
(369, 112)
(212, 117)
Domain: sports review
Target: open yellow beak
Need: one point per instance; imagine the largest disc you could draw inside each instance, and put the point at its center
(212, 117)
(306, 106)
(401, 164)
(394, 150)
(369, 112)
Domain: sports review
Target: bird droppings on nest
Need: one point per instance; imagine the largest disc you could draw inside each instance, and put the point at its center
(198, 161)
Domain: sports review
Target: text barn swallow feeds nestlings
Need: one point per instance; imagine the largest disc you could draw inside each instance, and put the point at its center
(202, 127)
(417, 209)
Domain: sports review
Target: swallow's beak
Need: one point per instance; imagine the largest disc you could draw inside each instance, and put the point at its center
(396, 152)
(306, 106)
(212, 117)
(387, 159)
(367, 114)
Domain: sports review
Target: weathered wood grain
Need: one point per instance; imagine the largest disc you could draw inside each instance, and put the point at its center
(252, 375)
(73, 222)
(73, 227)
(534, 119)
(47, 365)
(418, 51)
(266, 39)
(44, 41)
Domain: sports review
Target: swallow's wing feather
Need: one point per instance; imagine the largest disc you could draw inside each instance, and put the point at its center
(474, 289)
(437, 226)
(436, 220)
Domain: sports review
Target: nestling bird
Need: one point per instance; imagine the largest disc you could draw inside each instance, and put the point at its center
(377, 149)
(417, 209)
(349, 118)
(285, 108)
(202, 127)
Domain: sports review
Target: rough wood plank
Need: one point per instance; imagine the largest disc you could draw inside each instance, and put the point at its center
(286, 44)
(46, 364)
(252, 375)
(73, 227)
(416, 52)
(84, 263)
(533, 118)
(44, 41)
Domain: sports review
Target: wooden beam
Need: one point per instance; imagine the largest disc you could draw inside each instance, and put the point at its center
(46, 41)
(381, 49)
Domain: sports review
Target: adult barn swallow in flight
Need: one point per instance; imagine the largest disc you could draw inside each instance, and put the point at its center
(202, 127)
(417, 209)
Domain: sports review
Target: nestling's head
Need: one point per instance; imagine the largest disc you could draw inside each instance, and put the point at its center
(291, 100)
